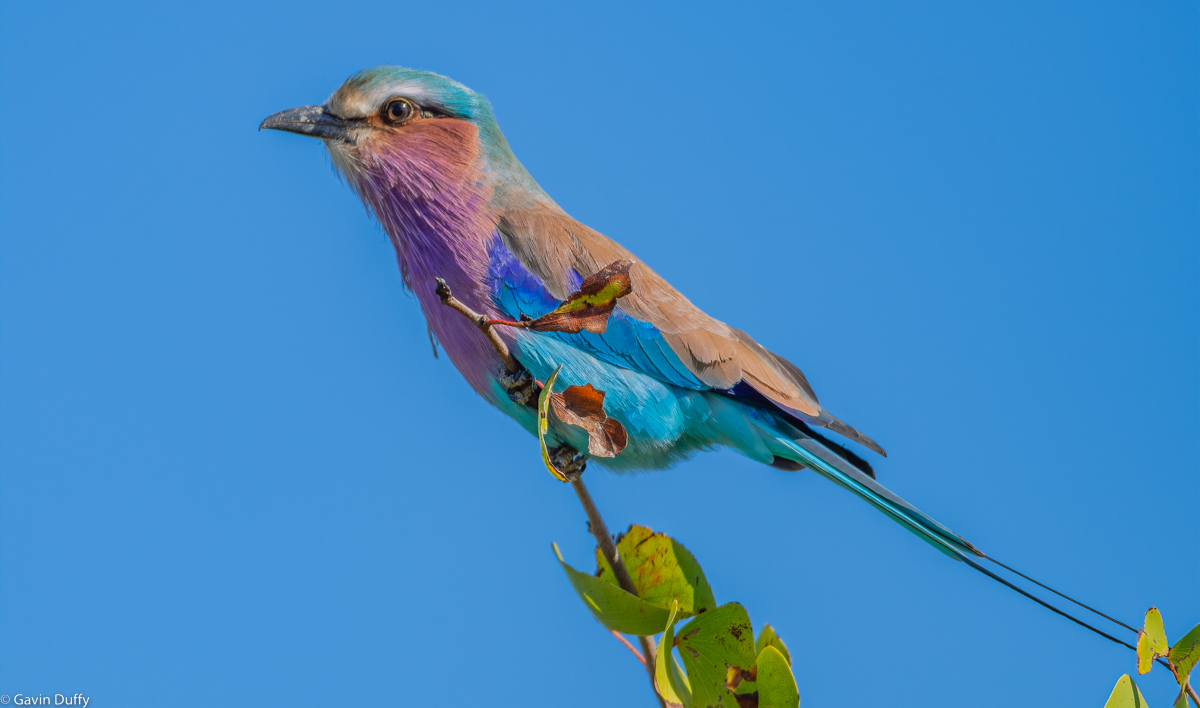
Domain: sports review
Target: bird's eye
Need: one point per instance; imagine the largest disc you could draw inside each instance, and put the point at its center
(399, 111)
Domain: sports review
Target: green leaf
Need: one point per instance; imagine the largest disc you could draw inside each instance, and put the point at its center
(669, 680)
(544, 423)
(662, 570)
(1180, 700)
(1152, 640)
(776, 684)
(1125, 695)
(768, 638)
(1186, 652)
(613, 607)
(708, 644)
(702, 594)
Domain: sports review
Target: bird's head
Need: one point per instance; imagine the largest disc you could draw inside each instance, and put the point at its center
(391, 126)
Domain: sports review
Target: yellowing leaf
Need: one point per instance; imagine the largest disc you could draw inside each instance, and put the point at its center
(613, 607)
(1125, 695)
(662, 570)
(1152, 640)
(543, 424)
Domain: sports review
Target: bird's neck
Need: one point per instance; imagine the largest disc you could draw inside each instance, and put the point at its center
(433, 196)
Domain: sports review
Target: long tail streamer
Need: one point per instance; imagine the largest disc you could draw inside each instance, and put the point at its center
(825, 462)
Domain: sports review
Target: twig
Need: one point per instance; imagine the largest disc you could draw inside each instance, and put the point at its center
(621, 638)
(595, 522)
(605, 540)
(443, 291)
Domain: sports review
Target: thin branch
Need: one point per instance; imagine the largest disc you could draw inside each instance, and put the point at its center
(443, 291)
(595, 522)
(605, 540)
(621, 638)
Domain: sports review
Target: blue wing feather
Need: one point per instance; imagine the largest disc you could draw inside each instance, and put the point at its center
(668, 412)
(627, 342)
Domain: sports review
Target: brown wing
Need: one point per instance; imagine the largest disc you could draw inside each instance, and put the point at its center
(551, 245)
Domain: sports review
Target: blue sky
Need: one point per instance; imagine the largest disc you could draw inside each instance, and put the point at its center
(232, 471)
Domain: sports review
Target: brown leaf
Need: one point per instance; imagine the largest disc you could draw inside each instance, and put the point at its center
(583, 406)
(616, 434)
(589, 307)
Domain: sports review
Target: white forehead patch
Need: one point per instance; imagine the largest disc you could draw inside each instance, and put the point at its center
(353, 103)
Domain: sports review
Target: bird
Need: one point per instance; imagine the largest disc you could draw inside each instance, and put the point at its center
(427, 157)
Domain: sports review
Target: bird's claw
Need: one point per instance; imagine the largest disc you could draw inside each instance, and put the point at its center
(520, 387)
(568, 461)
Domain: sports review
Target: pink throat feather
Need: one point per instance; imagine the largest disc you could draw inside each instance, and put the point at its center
(428, 191)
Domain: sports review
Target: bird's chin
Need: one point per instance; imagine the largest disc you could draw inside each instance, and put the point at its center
(346, 158)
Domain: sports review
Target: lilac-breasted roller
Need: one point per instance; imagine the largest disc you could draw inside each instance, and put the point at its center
(427, 158)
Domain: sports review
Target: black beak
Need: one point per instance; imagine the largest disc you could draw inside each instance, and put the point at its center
(313, 121)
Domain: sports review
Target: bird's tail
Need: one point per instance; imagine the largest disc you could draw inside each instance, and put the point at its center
(818, 455)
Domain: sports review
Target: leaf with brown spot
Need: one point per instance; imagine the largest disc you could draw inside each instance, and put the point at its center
(1152, 640)
(662, 569)
(710, 643)
(588, 307)
(583, 406)
(1186, 652)
(766, 638)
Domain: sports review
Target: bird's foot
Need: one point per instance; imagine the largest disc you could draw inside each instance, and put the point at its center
(569, 461)
(520, 387)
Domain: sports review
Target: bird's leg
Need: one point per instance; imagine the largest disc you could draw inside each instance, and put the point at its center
(569, 461)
